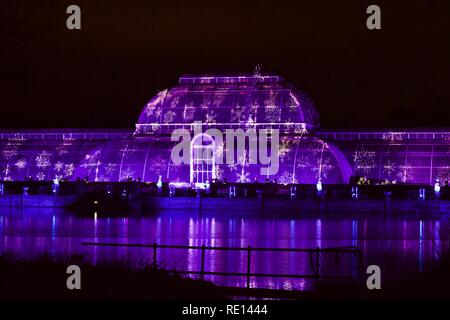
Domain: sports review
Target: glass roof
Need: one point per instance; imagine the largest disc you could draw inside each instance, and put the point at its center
(224, 101)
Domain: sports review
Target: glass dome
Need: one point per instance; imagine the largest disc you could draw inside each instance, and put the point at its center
(229, 101)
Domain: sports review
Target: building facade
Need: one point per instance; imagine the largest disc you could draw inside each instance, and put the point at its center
(262, 107)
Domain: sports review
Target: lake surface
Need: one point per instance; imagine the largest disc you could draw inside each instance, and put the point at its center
(409, 242)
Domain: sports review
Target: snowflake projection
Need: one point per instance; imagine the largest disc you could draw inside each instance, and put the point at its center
(240, 166)
(153, 127)
(127, 149)
(389, 168)
(293, 103)
(302, 161)
(21, 164)
(287, 178)
(272, 112)
(59, 166)
(59, 176)
(300, 129)
(40, 176)
(237, 113)
(242, 176)
(250, 122)
(218, 99)
(151, 109)
(126, 174)
(69, 169)
(393, 137)
(405, 173)
(110, 168)
(206, 102)
(91, 161)
(364, 160)
(233, 167)
(188, 112)
(169, 116)
(159, 165)
(175, 102)
(284, 148)
(43, 160)
(288, 124)
(443, 174)
(219, 172)
(158, 113)
(63, 147)
(210, 117)
(323, 168)
(254, 106)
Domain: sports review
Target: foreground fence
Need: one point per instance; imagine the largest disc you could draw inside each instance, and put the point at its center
(338, 263)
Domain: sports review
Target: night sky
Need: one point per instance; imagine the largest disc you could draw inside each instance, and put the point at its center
(127, 50)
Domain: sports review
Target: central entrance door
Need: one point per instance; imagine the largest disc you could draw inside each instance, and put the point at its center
(202, 160)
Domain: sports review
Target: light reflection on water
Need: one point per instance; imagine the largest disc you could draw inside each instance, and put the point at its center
(32, 230)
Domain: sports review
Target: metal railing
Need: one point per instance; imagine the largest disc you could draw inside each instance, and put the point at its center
(319, 259)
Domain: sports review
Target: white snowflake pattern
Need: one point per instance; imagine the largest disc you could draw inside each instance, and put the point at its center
(284, 147)
(159, 165)
(150, 109)
(322, 168)
(272, 111)
(43, 160)
(242, 177)
(21, 164)
(364, 160)
(219, 172)
(210, 117)
(110, 168)
(287, 178)
(405, 173)
(188, 112)
(443, 174)
(293, 103)
(91, 161)
(40, 176)
(126, 174)
(59, 166)
(389, 168)
(302, 162)
(69, 169)
(236, 113)
(169, 116)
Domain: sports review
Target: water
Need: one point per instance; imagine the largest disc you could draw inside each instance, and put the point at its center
(413, 244)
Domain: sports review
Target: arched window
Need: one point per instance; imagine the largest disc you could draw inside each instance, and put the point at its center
(202, 159)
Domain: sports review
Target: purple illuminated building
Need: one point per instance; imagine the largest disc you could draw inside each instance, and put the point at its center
(306, 152)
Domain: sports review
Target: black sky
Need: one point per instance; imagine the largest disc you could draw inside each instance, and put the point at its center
(102, 75)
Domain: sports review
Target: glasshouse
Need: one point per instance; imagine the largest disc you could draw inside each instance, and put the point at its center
(264, 109)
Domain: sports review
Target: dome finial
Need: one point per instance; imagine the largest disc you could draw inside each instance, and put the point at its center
(257, 70)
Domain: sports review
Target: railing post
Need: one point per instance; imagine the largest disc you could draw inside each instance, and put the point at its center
(155, 246)
(248, 266)
(202, 270)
